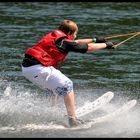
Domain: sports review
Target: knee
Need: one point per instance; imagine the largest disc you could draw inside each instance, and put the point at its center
(66, 88)
(69, 83)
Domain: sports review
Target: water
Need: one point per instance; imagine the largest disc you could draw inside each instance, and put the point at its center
(22, 105)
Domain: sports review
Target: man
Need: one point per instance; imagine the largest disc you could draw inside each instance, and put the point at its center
(42, 62)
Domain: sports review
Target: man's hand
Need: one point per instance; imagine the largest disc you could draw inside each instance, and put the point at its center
(109, 45)
(100, 40)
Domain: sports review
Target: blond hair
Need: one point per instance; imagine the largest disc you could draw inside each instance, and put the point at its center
(68, 26)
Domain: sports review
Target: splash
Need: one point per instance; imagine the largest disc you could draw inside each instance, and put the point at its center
(20, 109)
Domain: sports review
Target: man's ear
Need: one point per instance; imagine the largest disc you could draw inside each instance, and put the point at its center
(69, 33)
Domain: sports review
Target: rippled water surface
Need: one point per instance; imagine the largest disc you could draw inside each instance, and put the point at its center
(23, 24)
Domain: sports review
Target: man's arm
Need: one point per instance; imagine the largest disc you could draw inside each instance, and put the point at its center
(66, 46)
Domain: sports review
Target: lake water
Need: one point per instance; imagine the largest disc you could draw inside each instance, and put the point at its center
(25, 111)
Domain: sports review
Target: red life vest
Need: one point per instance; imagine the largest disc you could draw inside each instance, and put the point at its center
(46, 52)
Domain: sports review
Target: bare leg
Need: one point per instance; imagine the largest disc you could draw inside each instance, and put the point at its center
(70, 104)
(69, 100)
(53, 100)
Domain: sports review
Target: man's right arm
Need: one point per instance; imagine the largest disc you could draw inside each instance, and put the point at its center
(66, 46)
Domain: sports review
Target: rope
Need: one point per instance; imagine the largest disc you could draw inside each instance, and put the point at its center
(126, 40)
(110, 37)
